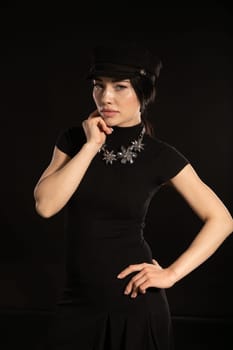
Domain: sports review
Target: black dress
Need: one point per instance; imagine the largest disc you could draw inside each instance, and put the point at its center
(104, 222)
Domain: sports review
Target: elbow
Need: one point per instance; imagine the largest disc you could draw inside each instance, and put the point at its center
(231, 225)
(42, 206)
(227, 224)
(44, 211)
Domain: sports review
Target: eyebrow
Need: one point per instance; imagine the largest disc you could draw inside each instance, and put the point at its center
(114, 80)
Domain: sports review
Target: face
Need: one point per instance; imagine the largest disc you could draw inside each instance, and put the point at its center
(116, 102)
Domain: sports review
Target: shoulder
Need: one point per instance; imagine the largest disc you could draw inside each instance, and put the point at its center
(73, 132)
(167, 159)
(71, 139)
(161, 147)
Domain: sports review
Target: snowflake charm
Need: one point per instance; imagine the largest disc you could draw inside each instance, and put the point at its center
(127, 155)
(138, 146)
(109, 156)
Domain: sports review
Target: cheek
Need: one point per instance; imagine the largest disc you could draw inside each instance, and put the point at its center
(95, 97)
(133, 103)
(133, 100)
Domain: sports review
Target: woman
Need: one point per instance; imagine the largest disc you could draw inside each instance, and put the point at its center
(105, 173)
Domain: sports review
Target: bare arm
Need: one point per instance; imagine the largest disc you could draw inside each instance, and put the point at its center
(218, 223)
(63, 175)
(60, 180)
(217, 226)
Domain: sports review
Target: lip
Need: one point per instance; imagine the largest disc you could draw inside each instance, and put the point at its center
(108, 112)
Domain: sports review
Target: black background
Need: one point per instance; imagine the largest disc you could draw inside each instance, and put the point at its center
(43, 90)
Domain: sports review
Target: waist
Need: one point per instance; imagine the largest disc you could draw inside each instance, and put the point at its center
(101, 228)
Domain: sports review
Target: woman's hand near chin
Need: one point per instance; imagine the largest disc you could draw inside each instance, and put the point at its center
(96, 129)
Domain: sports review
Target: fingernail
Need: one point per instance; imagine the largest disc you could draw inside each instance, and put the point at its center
(126, 292)
(119, 276)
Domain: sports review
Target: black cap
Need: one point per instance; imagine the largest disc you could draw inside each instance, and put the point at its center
(123, 61)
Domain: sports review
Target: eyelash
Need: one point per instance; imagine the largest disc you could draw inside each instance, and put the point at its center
(121, 86)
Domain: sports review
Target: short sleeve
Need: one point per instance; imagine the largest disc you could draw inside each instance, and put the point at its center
(71, 140)
(170, 162)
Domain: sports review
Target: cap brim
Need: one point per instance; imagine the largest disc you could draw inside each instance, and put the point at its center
(112, 70)
(110, 74)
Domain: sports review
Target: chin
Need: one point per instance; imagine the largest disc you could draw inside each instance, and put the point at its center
(111, 122)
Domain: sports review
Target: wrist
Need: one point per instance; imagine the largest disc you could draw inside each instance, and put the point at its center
(92, 146)
(172, 275)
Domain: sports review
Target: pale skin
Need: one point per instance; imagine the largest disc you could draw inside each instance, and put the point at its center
(117, 105)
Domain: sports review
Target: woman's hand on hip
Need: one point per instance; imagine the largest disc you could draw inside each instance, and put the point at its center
(96, 129)
(149, 275)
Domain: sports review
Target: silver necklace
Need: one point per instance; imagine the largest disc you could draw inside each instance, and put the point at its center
(125, 155)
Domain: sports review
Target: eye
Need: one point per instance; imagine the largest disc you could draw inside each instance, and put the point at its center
(120, 87)
(97, 85)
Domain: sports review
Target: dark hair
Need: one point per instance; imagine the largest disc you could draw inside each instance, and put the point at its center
(146, 90)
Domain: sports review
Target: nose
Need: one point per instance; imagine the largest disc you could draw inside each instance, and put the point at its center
(107, 95)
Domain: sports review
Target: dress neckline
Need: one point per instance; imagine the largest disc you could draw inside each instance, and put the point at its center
(135, 127)
(123, 136)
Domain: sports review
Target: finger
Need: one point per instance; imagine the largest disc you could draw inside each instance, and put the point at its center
(134, 284)
(103, 126)
(134, 294)
(143, 287)
(137, 287)
(156, 263)
(96, 117)
(138, 290)
(130, 269)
